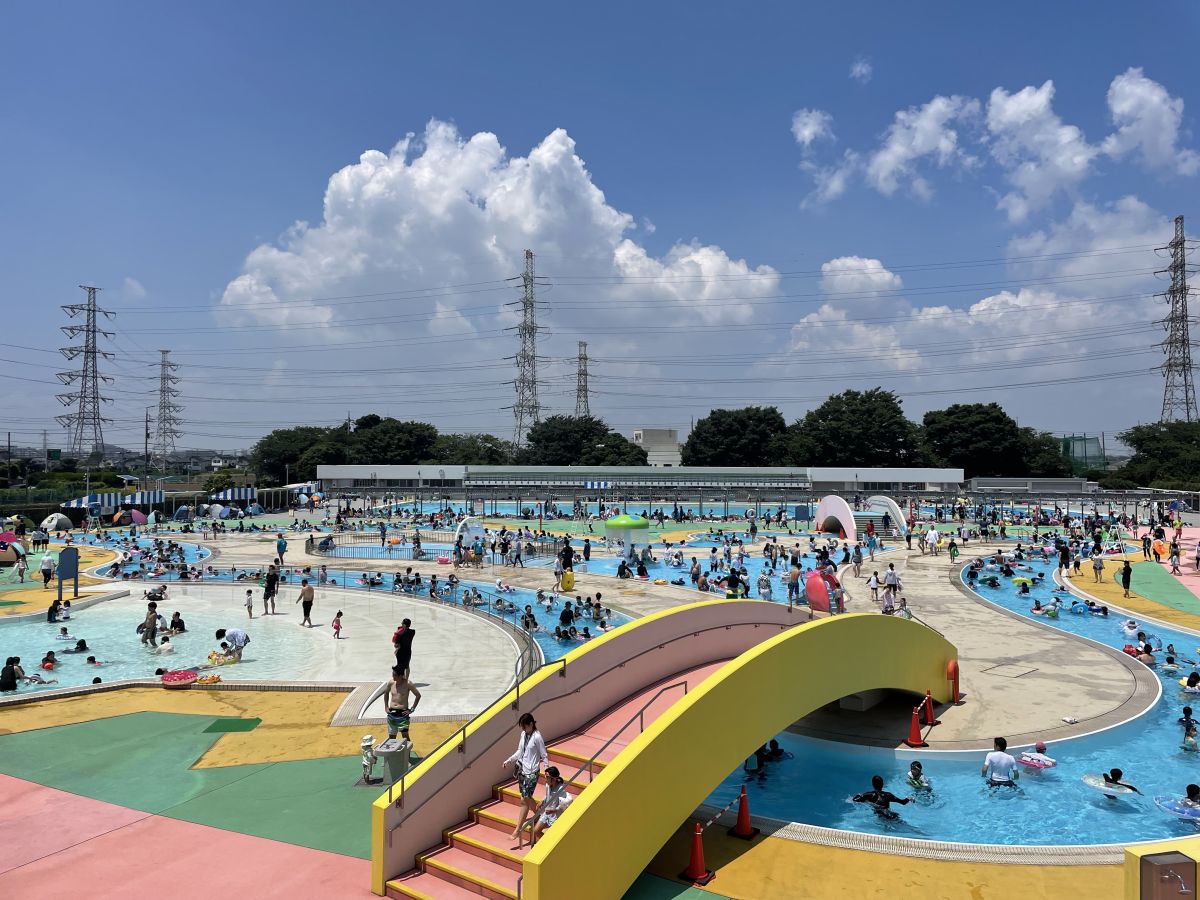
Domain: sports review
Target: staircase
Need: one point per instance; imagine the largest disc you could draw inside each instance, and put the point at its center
(477, 857)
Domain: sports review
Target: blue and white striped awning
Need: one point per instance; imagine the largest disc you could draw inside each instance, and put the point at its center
(239, 493)
(142, 498)
(306, 487)
(596, 485)
(112, 499)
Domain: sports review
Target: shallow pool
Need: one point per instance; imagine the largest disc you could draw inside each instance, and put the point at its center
(109, 628)
(1048, 807)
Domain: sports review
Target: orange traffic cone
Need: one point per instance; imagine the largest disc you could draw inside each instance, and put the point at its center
(914, 738)
(927, 710)
(743, 829)
(696, 873)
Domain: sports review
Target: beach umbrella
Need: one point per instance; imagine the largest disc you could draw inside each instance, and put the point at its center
(138, 517)
(154, 518)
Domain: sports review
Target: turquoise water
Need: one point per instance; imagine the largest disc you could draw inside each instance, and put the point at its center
(1048, 807)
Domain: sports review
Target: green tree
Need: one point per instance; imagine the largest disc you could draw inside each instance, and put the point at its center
(1165, 455)
(751, 436)
(578, 440)
(979, 438)
(856, 428)
(392, 442)
(283, 447)
(218, 481)
(322, 453)
(470, 450)
(1042, 455)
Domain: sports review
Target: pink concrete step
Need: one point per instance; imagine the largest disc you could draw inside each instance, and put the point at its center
(490, 843)
(501, 813)
(419, 885)
(510, 789)
(485, 877)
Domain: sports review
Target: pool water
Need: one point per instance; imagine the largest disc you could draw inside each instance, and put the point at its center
(110, 631)
(754, 563)
(1049, 807)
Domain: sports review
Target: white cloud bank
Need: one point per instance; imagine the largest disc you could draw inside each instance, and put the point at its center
(1029, 145)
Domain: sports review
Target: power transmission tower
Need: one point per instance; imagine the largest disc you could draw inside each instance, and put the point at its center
(527, 411)
(166, 427)
(1179, 392)
(581, 383)
(85, 426)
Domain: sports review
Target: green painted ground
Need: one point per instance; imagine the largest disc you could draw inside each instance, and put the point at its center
(1153, 581)
(142, 761)
(651, 887)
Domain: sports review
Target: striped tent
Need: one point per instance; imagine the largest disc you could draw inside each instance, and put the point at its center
(238, 493)
(144, 498)
(109, 500)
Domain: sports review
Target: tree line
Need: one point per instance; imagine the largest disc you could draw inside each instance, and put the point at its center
(853, 428)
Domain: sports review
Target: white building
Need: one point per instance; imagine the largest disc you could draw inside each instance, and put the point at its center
(661, 445)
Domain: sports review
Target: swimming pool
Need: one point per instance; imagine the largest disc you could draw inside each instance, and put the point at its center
(1049, 807)
(110, 631)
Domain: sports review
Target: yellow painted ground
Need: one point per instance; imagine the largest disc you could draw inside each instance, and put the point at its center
(775, 868)
(1107, 591)
(35, 599)
(295, 724)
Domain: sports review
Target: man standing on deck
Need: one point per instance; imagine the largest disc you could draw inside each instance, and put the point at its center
(402, 640)
(281, 548)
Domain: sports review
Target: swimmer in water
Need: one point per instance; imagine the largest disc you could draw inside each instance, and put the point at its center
(1114, 778)
(917, 778)
(880, 799)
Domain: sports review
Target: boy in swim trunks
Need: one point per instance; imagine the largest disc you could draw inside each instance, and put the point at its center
(396, 702)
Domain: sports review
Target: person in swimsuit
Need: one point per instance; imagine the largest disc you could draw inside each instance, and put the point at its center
(270, 589)
(305, 599)
(880, 799)
(150, 624)
(396, 701)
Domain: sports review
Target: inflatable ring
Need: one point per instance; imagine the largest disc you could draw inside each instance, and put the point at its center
(661, 581)
(1098, 783)
(179, 678)
(1178, 809)
(443, 560)
(209, 679)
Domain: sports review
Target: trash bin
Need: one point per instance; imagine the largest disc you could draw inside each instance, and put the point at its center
(395, 756)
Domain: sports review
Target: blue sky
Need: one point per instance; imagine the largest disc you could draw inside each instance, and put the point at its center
(151, 148)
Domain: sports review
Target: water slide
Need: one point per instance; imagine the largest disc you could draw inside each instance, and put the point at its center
(662, 709)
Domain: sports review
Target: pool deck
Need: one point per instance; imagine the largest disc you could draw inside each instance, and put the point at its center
(137, 789)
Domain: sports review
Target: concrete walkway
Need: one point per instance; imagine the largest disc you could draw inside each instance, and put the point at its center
(1020, 678)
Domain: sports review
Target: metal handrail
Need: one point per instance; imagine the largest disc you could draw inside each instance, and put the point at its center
(639, 716)
(562, 672)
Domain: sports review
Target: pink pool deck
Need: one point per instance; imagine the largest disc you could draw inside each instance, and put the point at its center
(54, 844)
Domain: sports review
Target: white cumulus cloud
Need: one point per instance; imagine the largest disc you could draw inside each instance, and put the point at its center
(809, 125)
(917, 133)
(1147, 120)
(1040, 154)
(861, 70)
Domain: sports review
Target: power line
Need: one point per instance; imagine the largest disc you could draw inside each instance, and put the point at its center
(1179, 390)
(85, 425)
